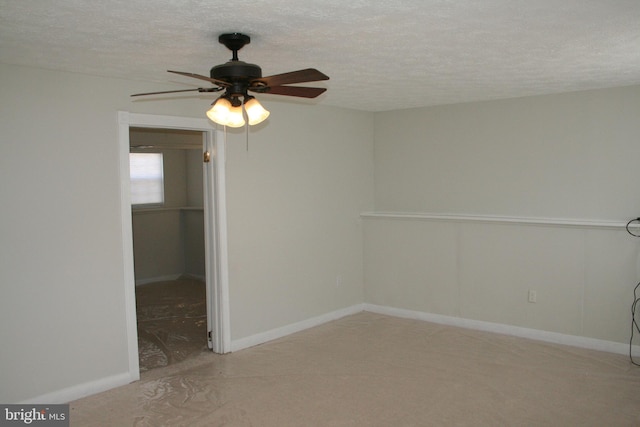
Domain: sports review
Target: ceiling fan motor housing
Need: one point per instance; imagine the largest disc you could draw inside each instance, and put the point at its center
(235, 70)
(238, 73)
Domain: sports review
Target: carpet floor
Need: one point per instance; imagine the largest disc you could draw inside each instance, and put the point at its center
(373, 370)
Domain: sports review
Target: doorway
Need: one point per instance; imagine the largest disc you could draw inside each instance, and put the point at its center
(214, 211)
(168, 243)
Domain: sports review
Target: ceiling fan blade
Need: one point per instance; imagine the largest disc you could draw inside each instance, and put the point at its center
(300, 76)
(200, 89)
(299, 91)
(166, 91)
(201, 77)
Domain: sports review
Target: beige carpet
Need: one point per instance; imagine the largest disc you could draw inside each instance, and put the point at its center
(373, 370)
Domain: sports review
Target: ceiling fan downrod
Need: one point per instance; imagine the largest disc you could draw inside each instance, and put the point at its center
(234, 42)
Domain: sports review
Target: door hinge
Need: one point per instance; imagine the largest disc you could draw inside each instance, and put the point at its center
(206, 157)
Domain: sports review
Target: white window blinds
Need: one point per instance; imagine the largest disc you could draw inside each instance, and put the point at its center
(147, 178)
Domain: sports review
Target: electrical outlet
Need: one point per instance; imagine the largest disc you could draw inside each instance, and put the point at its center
(533, 297)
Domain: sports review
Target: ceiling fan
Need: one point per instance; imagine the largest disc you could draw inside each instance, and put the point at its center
(236, 78)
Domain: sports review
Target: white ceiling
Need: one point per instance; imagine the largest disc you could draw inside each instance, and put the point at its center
(380, 55)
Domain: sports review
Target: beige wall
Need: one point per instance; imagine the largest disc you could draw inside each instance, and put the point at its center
(559, 157)
(295, 227)
(571, 155)
(293, 208)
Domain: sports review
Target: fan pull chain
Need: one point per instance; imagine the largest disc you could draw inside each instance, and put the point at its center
(246, 127)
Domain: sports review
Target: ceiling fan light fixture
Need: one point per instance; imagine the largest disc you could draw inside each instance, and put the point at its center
(219, 112)
(235, 118)
(256, 113)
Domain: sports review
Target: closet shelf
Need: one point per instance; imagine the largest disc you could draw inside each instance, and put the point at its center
(149, 210)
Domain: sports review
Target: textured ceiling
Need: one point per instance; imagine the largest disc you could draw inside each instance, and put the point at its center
(380, 55)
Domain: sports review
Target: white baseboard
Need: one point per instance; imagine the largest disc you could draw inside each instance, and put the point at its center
(158, 279)
(535, 334)
(499, 328)
(273, 334)
(86, 389)
(79, 391)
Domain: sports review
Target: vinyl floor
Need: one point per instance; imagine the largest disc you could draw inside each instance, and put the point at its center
(172, 321)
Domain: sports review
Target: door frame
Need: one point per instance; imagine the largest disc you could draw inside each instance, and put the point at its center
(215, 214)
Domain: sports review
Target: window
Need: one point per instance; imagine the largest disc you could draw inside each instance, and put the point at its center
(147, 178)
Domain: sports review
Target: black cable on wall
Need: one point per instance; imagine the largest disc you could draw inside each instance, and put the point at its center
(634, 323)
